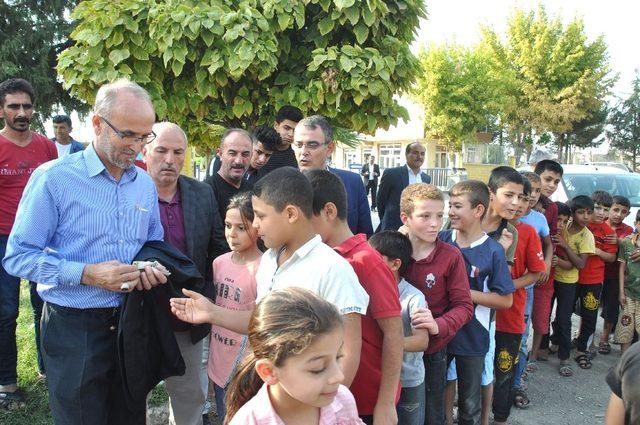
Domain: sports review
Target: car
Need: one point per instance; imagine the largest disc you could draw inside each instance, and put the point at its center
(611, 164)
(585, 179)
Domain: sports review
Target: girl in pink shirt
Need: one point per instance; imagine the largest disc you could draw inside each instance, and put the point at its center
(235, 285)
(293, 374)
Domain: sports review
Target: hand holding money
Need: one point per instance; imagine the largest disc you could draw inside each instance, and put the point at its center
(152, 274)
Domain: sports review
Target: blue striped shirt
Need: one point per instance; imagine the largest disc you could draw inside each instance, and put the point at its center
(74, 213)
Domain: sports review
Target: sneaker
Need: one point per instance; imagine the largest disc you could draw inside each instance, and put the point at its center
(12, 400)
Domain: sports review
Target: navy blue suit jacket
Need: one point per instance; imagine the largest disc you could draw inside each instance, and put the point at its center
(358, 213)
(392, 183)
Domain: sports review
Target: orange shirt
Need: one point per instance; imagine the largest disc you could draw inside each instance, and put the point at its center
(593, 271)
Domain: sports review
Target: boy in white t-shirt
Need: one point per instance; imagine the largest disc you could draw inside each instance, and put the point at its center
(282, 204)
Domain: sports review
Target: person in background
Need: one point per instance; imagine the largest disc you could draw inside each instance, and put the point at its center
(370, 173)
(65, 144)
(286, 121)
(265, 142)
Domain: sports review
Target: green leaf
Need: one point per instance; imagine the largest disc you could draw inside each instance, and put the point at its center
(238, 109)
(362, 32)
(284, 21)
(346, 63)
(342, 4)
(353, 14)
(118, 55)
(368, 16)
(208, 37)
(325, 26)
(176, 67)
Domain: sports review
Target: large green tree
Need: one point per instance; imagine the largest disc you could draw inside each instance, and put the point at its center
(456, 91)
(553, 77)
(624, 124)
(32, 34)
(235, 62)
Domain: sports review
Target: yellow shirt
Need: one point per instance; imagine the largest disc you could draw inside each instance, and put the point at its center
(580, 243)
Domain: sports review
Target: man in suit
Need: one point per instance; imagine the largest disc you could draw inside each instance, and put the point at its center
(393, 182)
(192, 224)
(313, 144)
(370, 173)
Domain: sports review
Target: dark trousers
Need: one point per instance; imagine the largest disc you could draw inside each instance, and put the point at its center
(588, 297)
(565, 303)
(435, 381)
(84, 380)
(37, 304)
(373, 187)
(610, 303)
(469, 371)
(506, 362)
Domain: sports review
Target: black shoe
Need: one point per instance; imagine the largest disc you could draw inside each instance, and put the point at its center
(205, 419)
(12, 400)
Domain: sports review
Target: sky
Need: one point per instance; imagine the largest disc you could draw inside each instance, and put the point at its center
(459, 21)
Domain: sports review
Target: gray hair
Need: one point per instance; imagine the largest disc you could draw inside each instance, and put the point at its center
(315, 121)
(539, 155)
(161, 127)
(228, 132)
(108, 93)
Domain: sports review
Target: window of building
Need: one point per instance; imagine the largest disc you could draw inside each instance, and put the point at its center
(390, 155)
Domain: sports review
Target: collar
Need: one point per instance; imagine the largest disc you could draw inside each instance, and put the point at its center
(429, 258)
(301, 252)
(478, 242)
(411, 171)
(175, 200)
(350, 244)
(95, 165)
(266, 412)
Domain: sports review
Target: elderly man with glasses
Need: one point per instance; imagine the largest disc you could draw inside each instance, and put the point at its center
(80, 222)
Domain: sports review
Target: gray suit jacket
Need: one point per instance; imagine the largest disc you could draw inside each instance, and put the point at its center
(392, 183)
(204, 233)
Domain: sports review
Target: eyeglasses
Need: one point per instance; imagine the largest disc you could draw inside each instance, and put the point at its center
(312, 146)
(127, 136)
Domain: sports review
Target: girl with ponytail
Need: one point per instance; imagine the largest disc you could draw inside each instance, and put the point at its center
(293, 374)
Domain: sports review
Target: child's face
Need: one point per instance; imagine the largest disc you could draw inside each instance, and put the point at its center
(461, 215)
(562, 222)
(426, 220)
(534, 196)
(582, 216)
(313, 376)
(618, 213)
(600, 213)
(506, 200)
(239, 236)
(270, 224)
(523, 208)
(550, 181)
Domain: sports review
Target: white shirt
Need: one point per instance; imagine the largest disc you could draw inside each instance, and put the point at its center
(63, 150)
(371, 173)
(318, 268)
(414, 178)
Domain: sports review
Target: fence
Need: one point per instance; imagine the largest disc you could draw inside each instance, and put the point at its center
(444, 178)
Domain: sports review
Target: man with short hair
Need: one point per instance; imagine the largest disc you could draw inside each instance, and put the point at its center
(65, 144)
(80, 223)
(265, 141)
(189, 217)
(370, 173)
(287, 119)
(235, 154)
(393, 182)
(313, 143)
(21, 152)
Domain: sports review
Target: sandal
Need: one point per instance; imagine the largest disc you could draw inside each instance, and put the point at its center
(532, 366)
(583, 361)
(12, 400)
(565, 370)
(520, 399)
(604, 348)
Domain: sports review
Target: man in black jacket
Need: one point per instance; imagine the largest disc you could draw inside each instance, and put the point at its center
(370, 173)
(191, 222)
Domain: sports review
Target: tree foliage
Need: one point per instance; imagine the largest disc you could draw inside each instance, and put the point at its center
(624, 124)
(32, 34)
(456, 92)
(235, 62)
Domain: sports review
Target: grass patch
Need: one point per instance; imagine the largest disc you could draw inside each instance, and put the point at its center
(37, 410)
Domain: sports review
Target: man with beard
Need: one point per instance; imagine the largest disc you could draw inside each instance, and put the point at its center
(21, 152)
(235, 154)
(80, 222)
(189, 216)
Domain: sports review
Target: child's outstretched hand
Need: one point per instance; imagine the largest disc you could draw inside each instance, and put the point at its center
(195, 309)
(423, 319)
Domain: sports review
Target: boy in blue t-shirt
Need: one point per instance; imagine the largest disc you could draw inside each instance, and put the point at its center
(491, 288)
(396, 250)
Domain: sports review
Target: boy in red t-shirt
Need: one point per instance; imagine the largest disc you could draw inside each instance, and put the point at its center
(438, 270)
(592, 275)
(376, 386)
(610, 289)
(527, 268)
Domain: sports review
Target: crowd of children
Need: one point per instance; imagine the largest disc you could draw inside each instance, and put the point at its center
(326, 327)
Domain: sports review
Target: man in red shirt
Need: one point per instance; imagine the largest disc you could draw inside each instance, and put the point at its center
(610, 287)
(21, 152)
(592, 275)
(376, 386)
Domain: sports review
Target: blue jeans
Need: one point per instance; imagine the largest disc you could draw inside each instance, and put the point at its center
(469, 372)
(9, 307)
(522, 364)
(221, 407)
(411, 410)
(435, 379)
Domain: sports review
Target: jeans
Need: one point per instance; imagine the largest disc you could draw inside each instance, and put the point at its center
(522, 364)
(589, 296)
(435, 374)
(221, 406)
(506, 362)
(9, 307)
(469, 371)
(36, 305)
(565, 299)
(410, 407)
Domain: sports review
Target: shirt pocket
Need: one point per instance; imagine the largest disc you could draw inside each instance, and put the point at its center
(142, 224)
